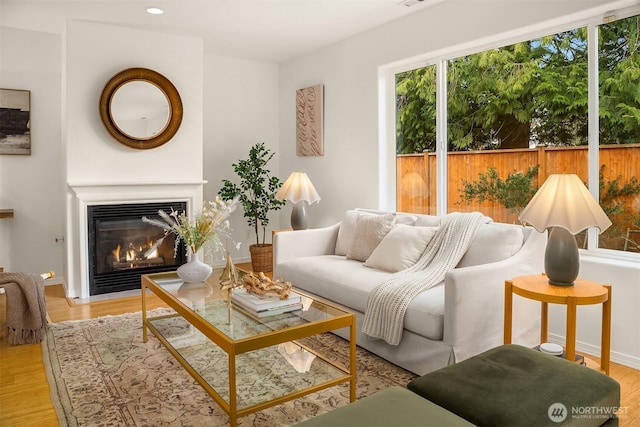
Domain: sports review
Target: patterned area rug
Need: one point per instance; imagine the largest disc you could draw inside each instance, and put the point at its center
(102, 374)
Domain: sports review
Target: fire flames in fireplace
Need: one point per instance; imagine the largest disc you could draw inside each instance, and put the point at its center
(131, 244)
(136, 256)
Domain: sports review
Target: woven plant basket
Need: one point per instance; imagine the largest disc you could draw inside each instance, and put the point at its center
(261, 257)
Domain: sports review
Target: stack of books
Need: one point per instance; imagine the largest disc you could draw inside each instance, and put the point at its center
(265, 305)
(557, 350)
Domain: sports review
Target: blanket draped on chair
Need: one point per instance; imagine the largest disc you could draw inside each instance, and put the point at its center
(26, 308)
(388, 302)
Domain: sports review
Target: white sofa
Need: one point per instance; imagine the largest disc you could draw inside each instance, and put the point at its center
(457, 319)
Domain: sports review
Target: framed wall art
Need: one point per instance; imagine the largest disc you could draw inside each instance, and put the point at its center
(309, 121)
(15, 121)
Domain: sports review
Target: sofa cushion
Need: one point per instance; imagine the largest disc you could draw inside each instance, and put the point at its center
(524, 386)
(493, 242)
(401, 217)
(393, 406)
(369, 232)
(349, 283)
(428, 221)
(400, 248)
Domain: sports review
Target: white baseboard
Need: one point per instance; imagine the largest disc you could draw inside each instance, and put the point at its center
(593, 350)
(55, 281)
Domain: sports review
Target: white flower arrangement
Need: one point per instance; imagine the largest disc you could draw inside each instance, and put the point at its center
(206, 227)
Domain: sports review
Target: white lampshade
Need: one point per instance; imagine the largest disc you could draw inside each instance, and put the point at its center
(564, 205)
(298, 188)
(564, 201)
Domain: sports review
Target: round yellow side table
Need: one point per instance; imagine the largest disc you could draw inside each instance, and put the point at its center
(584, 292)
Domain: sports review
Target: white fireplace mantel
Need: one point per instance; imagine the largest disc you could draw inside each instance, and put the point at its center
(83, 194)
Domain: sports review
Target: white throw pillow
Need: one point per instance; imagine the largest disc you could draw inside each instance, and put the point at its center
(345, 232)
(348, 226)
(369, 232)
(401, 248)
(494, 242)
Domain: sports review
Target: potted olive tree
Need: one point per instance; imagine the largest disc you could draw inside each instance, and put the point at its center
(257, 194)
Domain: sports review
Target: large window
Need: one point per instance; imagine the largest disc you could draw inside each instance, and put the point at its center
(518, 113)
(416, 133)
(619, 132)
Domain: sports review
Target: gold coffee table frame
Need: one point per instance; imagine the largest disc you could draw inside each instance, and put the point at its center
(331, 318)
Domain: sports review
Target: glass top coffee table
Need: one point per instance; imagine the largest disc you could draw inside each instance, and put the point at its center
(243, 362)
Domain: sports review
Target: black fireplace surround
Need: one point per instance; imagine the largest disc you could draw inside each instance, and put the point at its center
(121, 245)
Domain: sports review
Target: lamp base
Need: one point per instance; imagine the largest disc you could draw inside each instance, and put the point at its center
(299, 216)
(561, 258)
(555, 283)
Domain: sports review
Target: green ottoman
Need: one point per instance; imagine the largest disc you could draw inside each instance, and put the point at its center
(515, 386)
(391, 407)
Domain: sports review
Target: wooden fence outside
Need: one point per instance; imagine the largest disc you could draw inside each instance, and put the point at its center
(416, 176)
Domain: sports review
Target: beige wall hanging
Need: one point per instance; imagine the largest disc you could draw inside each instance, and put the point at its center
(309, 122)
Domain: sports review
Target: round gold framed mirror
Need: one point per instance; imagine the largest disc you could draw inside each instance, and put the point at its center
(141, 108)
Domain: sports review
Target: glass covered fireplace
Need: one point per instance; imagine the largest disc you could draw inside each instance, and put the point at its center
(122, 247)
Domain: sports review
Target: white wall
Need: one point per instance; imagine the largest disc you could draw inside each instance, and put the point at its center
(624, 278)
(33, 185)
(94, 54)
(240, 110)
(348, 175)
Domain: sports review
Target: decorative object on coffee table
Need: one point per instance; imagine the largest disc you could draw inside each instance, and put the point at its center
(204, 229)
(257, 193)
(194, 270)
(262, 285)
(299, 190)
(264, 306)
(564, 205)
(229, 280)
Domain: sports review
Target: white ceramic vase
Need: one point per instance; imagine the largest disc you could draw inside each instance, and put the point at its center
(195, 270)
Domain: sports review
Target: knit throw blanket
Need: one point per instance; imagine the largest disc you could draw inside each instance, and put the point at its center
(388, 302)
(26, 308)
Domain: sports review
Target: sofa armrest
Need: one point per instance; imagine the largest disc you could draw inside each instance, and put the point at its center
(474, 302)
(303, 243)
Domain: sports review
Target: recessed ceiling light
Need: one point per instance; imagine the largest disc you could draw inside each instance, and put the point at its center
(155, 11)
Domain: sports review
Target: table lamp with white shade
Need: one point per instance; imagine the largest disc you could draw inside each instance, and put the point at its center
(299, 190)
(566, 206)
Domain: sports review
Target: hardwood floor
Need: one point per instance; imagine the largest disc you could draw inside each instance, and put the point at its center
(24, 390)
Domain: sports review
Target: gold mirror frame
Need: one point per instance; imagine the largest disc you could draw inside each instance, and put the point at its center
(156, 79)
